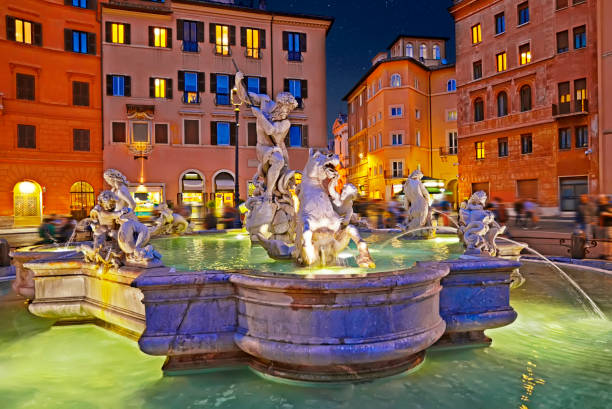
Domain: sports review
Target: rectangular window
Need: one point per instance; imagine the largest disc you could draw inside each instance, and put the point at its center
(140, 132)
(79, 42)
(477, 66)
(222, 89)
(26, 136)
(451, 115)
(117, 33)
(480, 150)
(582, 137)
(561, 4)
(252, 134)
(565, 138)
(476, 34)
(160, 37)
(452, 143)
(396, 112)
(417, 113)
(115, 85)
(253, 40)
(581, 94)
(191, 95)
(527, 189)
(80, 93)
(25, 87)
(294, 44)
(523, 13)
(580, 37)
(118, 132)
(223, 133)
(80, 3)
(297, 88)
(191, 32)
(397, 169)
(502, 147)
(22, 31)
(564, 97)
(397, 139)
(562, 42)
(253, 85)
(502, 63)
(191, 131)
(80, 140)
(417, 138)
(380, 140)
(525, 54)
(526, 144)
(500, 23)
(295, 135)
(160, 88)
(222, 39)
(161, 133)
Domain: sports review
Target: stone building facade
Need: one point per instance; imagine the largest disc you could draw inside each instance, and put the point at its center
(528, 100)
(402, 116)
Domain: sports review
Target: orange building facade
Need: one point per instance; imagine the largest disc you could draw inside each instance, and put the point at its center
(173, 102)
(50, 109)
(528, 100)
(340, 133)
(402, 116)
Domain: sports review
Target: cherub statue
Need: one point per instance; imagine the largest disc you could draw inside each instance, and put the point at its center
(169, 222)
(477, 226)
(119, 186)
(417, 203)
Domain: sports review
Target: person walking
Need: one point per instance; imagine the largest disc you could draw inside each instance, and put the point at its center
(531, 214)
(501, 212)
(518, 212)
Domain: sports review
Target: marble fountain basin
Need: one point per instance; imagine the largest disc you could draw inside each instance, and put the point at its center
(337, 326)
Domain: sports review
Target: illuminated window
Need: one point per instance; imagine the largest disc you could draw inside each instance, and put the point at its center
(524, 54)
(452, 142)
(117, 33)
(476, 34)
(160, 37)
(222, 39)
(417, 138)
(423, 51)
(480, 150)
(409, 50)
(396, 80)
(564, 93)
(580, 89)
(160, 88)
(23, 31)
(502, 64)
(191, 92)
(254, 40)
(451, 115)
(436, 52)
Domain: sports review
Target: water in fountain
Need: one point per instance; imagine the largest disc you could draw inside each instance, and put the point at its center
(404, 233)
(594, 308)
(447, 215)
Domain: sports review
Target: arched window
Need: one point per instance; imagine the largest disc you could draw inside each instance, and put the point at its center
(409, 50)
(525, 98)
(436, 51)
(423, 51)
(27, 201)
(451, 85)
(478, 110)
(502, 104)
(81, 199)
(396, 80)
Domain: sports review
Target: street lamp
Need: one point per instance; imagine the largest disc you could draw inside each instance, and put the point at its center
(236, 102)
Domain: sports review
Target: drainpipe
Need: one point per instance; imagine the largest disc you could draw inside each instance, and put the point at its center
(99, 19)
(271, 46)
(430, 135)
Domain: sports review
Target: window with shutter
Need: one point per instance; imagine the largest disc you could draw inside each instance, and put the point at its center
(222, 89)
(23, 31)
(117, 33)
(191, 86)
(223, 133)
(161, 133)
(252, 39)
(294, 44)
(80, 93)
(25, 87)
(80, 140)
(223, 36)
(190, 32)
(252, 134)
(191, 129)
(562, 42)
(26, 136)
(160, 37)
(118, 132)
(160, 88)
(295, 136)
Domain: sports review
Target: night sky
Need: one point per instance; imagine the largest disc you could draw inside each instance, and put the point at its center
(361, 29)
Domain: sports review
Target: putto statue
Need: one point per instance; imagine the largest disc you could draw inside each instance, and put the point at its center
(417, 203)
(271, 207)
(323, 228)
(169, 222)
(118, 237)
(477, 226)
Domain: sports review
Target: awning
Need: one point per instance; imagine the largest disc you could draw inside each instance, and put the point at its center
(224, 184)
(193, 185)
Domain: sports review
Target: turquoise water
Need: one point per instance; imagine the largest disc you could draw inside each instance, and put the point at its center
(553, 356)
(234, 251)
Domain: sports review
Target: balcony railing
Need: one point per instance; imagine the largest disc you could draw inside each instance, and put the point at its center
(448, 150)
(389, 174)
(580, 106)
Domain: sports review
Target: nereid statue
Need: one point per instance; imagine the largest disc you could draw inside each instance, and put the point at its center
(417, 203)
(477, 226)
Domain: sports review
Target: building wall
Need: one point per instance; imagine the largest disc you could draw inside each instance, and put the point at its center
(53, 164)
(167, 162)
(548, 164)
(604, 61)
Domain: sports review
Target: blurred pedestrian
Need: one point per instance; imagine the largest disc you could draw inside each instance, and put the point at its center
(531, 214)
(501, 212)
(65, 229)
(518, 212)
(605, 218)
(46, 231)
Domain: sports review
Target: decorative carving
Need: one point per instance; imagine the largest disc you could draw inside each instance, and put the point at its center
(417, 203)
(477, 226)
(169, 223)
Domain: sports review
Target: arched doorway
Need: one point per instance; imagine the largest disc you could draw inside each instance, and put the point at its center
(27, 203)
(81, 199)
(224, 190)
(192, 192)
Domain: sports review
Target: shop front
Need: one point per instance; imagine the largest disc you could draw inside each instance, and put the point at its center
(224, 191)
(192, 194)
(147, 197)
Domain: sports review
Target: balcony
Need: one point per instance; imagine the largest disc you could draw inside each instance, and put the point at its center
(580, 107)
(394, 175)
(448, 150)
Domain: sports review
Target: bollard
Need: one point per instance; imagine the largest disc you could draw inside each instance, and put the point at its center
(5, 259)
(578, 246)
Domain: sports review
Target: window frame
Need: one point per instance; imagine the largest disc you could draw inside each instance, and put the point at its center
(504, 97)
(479, 147)
(523, 107)
(501, 61)
(76, 132)
(396, 107)
(396, 80)
(476, 32)
(183, 133)
(526, 144)
(582, 140)
(451, 85)
(520, 8)
(503, 143)
(475, 65)
(289, 135)
(155, 37)
(478, 102)
(497, 20)
(154, 138)
(29, 93)
(397, 138)
(558, 37)
(30, 138)
(521, 50)
(565, 140)
(76, 95)
(112, 132)
(578, 45)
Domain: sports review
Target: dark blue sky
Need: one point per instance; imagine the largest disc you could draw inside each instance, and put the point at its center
(361, 29)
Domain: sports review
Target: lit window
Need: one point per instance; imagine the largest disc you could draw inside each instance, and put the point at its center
(417, 139)
(117, 33)
(396, 80)
(502, 64)
(253, 42)
(160, 37)
(160, 88)
(451, 115)
(436, 52)
(417, 113)
(476, 34)
(423, 51)
(524, 54)
(480, 150)
(23, 31)
(409, 50)
(191, 95)
(222, 40)
(397, 169)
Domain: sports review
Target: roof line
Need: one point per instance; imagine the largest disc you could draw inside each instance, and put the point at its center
(416, 36)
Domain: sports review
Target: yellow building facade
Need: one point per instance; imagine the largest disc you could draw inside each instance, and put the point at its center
(402, 116)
